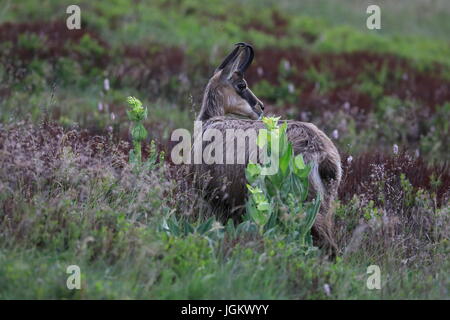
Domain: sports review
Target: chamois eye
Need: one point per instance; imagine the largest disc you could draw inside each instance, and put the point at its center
(241, 86)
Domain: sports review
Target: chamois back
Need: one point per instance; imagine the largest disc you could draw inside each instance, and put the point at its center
(226, 183)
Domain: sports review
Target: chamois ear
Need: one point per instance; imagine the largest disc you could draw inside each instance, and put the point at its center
(237, 61)
(229, 58)
(247, 58)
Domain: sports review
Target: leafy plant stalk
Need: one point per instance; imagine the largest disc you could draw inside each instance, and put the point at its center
(137, 114)
(278, 200)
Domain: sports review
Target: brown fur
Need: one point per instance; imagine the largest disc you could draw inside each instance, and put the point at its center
(220, 98)
(226, 185)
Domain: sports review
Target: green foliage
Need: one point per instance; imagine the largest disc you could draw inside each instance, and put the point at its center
(434, 144)
(322, 80)
(370, 211)
(30, 41)
(284, 92)
(135, 237)
(137, 113)
(276, 205)
(122, 230)
(278, 189)
(374, 81)
(421, 50)
(89, 46)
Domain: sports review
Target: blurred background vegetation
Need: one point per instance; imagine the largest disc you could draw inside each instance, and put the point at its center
(371, 91)
(315, 61)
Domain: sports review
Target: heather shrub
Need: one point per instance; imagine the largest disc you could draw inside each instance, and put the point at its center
(71, 192)
(54, 181)
(393, 205)
(434, 142)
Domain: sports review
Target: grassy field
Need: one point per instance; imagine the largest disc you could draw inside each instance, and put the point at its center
(68, 195)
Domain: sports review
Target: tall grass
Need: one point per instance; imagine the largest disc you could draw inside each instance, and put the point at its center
(68, 197)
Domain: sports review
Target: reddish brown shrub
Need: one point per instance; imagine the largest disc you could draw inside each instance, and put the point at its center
(277, 27)
(429, 87)
(149, 67)
(55, 41)
(377, 176)
(33, 155)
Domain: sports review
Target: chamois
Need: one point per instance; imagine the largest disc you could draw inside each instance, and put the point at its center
(227, 93)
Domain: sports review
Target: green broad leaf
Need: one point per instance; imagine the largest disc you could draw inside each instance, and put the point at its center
(286, 187)
(259, 196)
(283, 140)
(259, 217)
(299, 163)
(277, 180)
(271, 122)
(187, 228)
(230, 228)
(206, 226)
(261, 141)
(132, 157)
(132, 116)
(253, 169)
(139, 132)
(285, 159)
(305, 172)
(246, 227)
(272, 221)
(283, 127)
(173, 227)
(299, 188)
(250, 188)
(311, 214)
(263, 206)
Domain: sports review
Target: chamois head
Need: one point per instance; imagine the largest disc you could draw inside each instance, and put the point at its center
(227, 91)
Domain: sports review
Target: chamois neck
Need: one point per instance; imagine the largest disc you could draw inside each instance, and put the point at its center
(212, 105)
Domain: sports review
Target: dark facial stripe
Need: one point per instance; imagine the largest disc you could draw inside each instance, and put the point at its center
(248, 96)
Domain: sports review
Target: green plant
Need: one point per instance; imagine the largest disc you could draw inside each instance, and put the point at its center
(434, 143)
(285, 91)
(211, 229)
(137, 113)
(323, 81)
(277, 199)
